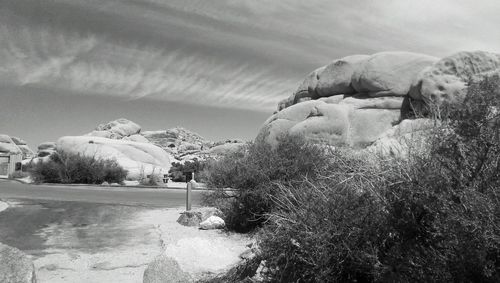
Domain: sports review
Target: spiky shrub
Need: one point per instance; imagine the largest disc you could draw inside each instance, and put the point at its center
(45, 171)
(253, 172)
(327, 229)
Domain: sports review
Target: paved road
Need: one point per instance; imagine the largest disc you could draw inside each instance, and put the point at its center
(110, 195)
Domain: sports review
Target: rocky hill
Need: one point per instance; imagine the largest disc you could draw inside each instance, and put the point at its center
(182, 144)
(358, 100)
(139, 152)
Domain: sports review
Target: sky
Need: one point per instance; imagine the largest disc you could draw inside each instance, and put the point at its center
(216, 67)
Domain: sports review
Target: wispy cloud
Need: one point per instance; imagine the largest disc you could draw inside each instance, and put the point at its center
(238, 54)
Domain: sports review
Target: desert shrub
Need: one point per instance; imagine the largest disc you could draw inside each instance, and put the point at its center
(252, 173)
(153, 179)
(328, 229)
(45, 171)
(429, 218)
(68, 168)
(176, 172)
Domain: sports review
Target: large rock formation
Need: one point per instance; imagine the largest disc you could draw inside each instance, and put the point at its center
(357, 100)
(139, 159)
(140, 153)
(15, 266)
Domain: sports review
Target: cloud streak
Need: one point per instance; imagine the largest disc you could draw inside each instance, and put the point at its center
(238, 54)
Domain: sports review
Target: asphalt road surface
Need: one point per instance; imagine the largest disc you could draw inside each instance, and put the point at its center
(94, 194)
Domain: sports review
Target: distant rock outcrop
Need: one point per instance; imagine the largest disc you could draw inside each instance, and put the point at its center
(357, 100)
(15, 145)
(141, 153)
(186, 145)
(45, 149)
(15, 266)
(23, 146)
(116, 129)
(139, 159)
(7, 145)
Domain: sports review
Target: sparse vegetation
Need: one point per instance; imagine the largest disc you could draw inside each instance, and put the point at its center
(254, 172)
(339, 216)
(69, 168)
(153, 179)
(176, 172)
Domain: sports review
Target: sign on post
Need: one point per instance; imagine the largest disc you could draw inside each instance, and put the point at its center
(190, 185)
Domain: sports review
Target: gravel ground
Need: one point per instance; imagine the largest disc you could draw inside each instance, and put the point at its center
(84, 242)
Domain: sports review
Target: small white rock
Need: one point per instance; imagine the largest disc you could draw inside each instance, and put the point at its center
(213, 222)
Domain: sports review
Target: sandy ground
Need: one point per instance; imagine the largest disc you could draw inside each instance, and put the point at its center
(149, 233)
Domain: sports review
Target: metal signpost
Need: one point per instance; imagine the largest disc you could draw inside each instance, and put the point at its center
(190, 183)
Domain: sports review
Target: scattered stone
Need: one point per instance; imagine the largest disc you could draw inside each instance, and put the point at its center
(196, 216)
(213, 222)
(15, 266)
(165, 270)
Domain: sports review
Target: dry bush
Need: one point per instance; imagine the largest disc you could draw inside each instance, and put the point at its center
(252, 173)
(69, 168)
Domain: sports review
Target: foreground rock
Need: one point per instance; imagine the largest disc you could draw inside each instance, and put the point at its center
(165, 269)
(15, 266)
(198, 215)
(186, 145)
(212, 222)
(356, 100)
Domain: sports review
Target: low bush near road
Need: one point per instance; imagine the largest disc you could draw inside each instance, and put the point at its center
(74, 168)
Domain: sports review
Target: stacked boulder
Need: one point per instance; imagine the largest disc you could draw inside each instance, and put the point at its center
(119, 140)
(356, 100)
(15, 145)
(186, 145)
